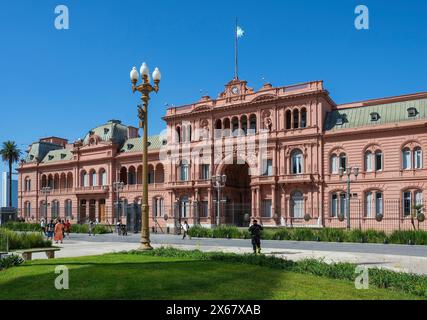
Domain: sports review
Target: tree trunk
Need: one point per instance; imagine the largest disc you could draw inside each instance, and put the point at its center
(10, 183)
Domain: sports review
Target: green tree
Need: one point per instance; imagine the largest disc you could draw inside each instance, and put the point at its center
(10, 154)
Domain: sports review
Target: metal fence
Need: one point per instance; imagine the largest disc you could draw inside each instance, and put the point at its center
(385, 216)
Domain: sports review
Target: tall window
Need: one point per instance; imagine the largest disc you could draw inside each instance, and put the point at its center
(378, 161)
(267, 209)
(68, 208)
(85, 179)
(55, 209)
(378, 203)
(334, 164)
(297, 162)
(183, 169)
(94, 179)
(407, 203)
(27, 209)
(103, 177)
(158, 207)
(297, 205)
(296, 119)
(268, 168)
(369, 204)
(334, 205)
(418, 158)
(205, 172)
(303, 118)
(369, 159)
(185, 207)
(343, 161)
(406, 154)
(288, 120)
(27, 186)
(204, 209)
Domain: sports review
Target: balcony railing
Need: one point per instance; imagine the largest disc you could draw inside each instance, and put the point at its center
(297, 178)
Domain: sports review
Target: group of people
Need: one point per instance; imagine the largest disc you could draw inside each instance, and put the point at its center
(56, 229)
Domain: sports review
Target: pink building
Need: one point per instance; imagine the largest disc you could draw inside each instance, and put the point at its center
(281, 149)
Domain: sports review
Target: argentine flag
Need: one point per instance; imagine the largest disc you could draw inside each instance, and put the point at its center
(240, 32)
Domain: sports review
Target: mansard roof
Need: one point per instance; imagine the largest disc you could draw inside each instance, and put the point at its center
(58, 155)
(135, 145)
(362, 115)
(113, 131)
(39, 150)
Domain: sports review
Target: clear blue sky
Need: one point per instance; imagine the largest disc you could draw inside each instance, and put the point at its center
(64, 83)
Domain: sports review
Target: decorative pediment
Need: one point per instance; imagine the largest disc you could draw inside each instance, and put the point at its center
(267, 96)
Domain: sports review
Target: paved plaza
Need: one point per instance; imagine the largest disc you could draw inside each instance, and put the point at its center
(394, 257)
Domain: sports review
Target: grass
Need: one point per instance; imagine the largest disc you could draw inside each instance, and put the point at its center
(183, 276)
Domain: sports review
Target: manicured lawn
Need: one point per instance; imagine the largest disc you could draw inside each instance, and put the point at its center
(124, 276)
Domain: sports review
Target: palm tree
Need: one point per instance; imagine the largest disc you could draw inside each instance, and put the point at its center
(10, 154)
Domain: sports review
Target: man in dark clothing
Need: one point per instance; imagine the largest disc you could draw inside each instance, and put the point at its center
(255, 231)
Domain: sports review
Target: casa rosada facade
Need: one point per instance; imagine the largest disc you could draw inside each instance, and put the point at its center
(282, 150)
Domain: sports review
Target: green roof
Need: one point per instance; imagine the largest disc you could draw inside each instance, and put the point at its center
(39, 150)
(388, 113)
(58, 155)
(135, 145)
(113, 131)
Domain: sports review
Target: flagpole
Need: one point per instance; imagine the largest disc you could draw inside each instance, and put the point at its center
(236, 52)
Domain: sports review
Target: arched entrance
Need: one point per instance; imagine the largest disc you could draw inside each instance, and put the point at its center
(237, 194)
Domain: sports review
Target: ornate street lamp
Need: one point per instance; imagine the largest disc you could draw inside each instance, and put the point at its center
(145, 88)
(118, 187)
(348, 171)
(218, 183)
(45, 191)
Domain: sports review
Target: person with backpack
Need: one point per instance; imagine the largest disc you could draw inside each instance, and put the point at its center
(50, 228)
(255, 231)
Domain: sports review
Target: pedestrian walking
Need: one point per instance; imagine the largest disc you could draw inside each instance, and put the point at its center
(185, 227)
(91, 226)
(43, 226)
(50, 228)
(59, 231)
(67, 228)
(255, 231)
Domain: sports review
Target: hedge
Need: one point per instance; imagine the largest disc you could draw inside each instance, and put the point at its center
(25, 240)
(306, 234)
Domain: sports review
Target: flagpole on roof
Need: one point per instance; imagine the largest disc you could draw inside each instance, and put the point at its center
(236, 52)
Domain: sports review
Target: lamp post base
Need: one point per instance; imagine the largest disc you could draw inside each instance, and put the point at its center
(145, 246)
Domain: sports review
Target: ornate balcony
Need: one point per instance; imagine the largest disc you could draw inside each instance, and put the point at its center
(298, 178)
(92, 190)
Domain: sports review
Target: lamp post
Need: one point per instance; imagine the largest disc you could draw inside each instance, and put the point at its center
(118, 187)
(218, 183)
(145, 88)
(45, 191)
(348, 171)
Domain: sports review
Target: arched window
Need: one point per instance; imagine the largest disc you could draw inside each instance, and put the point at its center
(406, 159)
(132, 176)
(184, 170)
(178, 134)
(103, 177)
(55, 209)
(334, 164)
(334, 205)
(303, 118)
(218, 128)
(244, 124)
(338, 204)
(158, 207)
(69, 180)
(288, 119)
(94, 178)
(227, 129)
(297, 205)
(252, 123)
(84, 179)
(296, 118)
(412, 200)
(124, 175)
(369, 160)
(418, 158)
(378, 160)
(151, 174)
(27, 186)
(235, 126)
(184, 207)
(343, 161)
(297, 164)
(160, 174)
